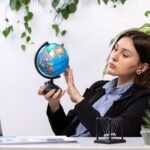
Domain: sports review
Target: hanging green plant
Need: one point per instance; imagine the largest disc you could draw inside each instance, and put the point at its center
(62, 9)
(16, 5)
(147, 13)
(8, 29)
(144, 28)
(115, 2)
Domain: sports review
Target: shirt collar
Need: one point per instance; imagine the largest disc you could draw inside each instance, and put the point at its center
(110, 87)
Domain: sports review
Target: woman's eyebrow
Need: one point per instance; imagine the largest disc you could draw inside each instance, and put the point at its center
(126, 50)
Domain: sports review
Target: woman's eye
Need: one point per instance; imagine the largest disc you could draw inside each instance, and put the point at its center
(125, 55)
(115, 49)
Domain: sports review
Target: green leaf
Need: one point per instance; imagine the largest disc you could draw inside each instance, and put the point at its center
(65, 13)
(146, 118)
(145, 30)
(76, 1)
(55, 3)
(30, 15)
(27, 8)
(26, 18)
(15, 4)
(63, 32)
(7, 30)
(58, 10)
(26, 25)
(72, 8)
(29, 29)
(105, 1)
(146, 121)
(99, 2)
(148, 114)
(23, 47)
(23, 34)
(26, 2)
(28, 39)
(56, 28)
(123, 1)
(147, 13)
(145, 25)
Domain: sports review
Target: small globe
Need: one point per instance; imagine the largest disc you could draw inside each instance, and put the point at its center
(51, 60)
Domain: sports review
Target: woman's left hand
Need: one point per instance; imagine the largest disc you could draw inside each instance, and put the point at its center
(72, 90)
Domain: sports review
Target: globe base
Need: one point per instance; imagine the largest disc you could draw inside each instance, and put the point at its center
(50, 86)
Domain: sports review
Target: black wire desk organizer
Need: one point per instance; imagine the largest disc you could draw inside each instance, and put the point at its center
(109, 127)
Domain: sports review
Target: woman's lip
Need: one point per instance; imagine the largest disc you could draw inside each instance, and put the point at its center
(112, 66)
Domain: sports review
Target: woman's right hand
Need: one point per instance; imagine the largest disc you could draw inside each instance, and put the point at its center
(72, 91)
(53, 97)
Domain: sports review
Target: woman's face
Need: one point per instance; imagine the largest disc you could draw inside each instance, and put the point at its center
(124, 59)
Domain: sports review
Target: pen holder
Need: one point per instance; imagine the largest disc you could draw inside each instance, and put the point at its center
(109, 127)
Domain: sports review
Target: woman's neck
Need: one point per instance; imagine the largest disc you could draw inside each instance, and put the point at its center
(124, 80)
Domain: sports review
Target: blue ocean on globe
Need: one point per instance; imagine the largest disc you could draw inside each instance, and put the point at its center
(52, 60)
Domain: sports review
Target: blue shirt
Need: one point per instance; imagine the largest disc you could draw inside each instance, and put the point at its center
(102, 105)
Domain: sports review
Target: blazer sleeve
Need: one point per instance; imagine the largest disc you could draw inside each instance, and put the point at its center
(59, 121)
(132, 117)
(87, 116)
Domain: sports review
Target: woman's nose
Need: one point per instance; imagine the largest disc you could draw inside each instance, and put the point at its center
(115, 56)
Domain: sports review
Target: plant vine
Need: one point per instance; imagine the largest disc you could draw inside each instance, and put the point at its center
(62, 10)
(16, 5)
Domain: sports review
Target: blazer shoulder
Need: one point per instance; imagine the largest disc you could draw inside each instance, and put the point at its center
(97, 84)
(143, 91)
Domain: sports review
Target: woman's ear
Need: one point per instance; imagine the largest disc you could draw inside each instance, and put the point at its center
(142, 68)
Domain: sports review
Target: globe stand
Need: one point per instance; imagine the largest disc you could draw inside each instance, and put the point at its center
(50, 85)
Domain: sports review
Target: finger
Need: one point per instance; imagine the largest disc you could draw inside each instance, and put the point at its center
(63, 93)
(57, 94)
(46, 82)
(70, 77)
(50, 94)
(66, 76)
(41, 90)
(68, 67)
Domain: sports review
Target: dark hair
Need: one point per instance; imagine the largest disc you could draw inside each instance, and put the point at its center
(141, 42)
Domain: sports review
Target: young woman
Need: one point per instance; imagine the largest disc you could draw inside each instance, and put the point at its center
(125, 96)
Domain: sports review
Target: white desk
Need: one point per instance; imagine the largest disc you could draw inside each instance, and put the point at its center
(83, 144)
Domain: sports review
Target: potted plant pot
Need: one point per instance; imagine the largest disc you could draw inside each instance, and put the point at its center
(145, 133)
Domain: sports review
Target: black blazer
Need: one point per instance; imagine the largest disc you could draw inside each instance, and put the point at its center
(131, 106)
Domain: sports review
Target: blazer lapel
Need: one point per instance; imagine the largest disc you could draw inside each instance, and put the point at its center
(98, 93)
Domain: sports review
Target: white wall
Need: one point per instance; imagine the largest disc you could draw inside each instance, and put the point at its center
(90, 29)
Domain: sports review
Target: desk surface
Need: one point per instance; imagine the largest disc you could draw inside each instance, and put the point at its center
(85, 143)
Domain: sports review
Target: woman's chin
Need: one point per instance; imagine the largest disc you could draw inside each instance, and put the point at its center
(111, 73)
